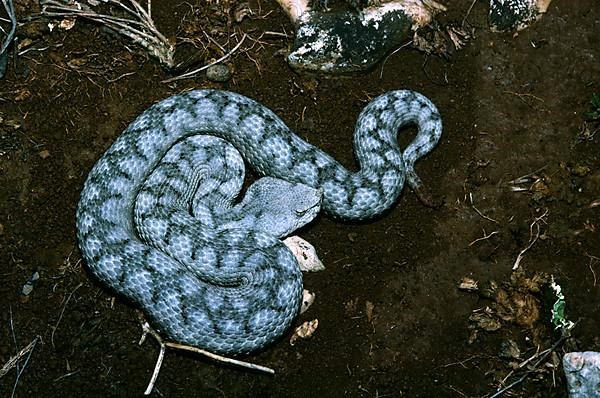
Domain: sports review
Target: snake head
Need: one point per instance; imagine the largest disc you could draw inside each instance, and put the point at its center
(280, 207)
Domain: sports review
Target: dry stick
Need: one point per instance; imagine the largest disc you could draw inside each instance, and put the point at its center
(485, 236)
(146, 329)
(532, 239)
(468, 13)
(14, 360)
(155, 42)
(192, 73)
(392, 53)
(525, 178)
(62, 313)
(543, 355)
(14, 337)
(10, 364)
(593, 261)
(479, 212)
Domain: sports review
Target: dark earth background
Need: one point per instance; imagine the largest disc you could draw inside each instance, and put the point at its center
(392, 321)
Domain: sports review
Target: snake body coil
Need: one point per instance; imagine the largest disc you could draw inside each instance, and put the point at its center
(216, 281)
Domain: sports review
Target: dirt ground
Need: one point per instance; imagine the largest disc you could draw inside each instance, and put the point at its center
(392, 320)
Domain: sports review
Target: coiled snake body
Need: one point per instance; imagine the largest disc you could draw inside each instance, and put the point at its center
(156, 220)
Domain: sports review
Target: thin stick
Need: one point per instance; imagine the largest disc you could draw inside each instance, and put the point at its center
(141, 30)
(10, 11)
(593, 261)
(192, 73)
(484, 237)
(62, 313)
(146, 329)
(479, 212)
(543, 355)
(159, 361)
(14, 360)
(8, 36)
(468, 13)
(14, 337)
(525, 178)
(392, 53)
(532, 239)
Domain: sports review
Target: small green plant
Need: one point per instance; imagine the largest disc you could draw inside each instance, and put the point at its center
(559, 318)
(594, 115)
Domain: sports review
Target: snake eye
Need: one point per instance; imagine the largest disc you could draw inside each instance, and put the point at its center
(300, 213)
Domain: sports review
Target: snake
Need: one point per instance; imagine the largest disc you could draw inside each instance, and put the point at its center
(158, 223)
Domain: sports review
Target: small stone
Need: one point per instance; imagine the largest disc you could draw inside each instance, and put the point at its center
(44, 154)
(218, 73)
(308, 298)
(305, 254)
(28, 287)
(510, 350)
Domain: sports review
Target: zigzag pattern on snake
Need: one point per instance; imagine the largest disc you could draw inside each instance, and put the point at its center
(146, 231)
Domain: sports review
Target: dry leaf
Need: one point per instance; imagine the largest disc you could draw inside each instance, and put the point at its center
(304, 331)
(67, 23)
(468, 284)
(23, 95)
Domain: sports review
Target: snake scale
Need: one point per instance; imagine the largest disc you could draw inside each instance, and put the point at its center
(157, 222)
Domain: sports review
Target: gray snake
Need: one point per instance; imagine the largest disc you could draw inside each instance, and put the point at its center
(153, 222)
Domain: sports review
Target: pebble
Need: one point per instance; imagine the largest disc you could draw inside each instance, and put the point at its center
(218, 73)
(28, 287)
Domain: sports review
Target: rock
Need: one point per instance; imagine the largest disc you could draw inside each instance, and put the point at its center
(350, 41)
(515, 14)
(582, 370)
(218, 73)
(305, 254)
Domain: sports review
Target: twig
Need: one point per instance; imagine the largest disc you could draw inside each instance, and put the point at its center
(479, 212)
(14, 337)
(62, 313)
(532, 239)
(542, 356)
(593, 261)
(278, 34)
(146, 329)
(468, 13)
(462, 363)
(192, 73)
(12, 18)
(69, 374)
(14, 360)
(392, 53)
(521, 96)
(484, 237)
(140, 28)
(526, 178)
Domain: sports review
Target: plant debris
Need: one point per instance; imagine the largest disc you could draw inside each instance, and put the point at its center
(304, 331)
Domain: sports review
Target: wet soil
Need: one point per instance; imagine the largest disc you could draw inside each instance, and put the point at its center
(392, 321)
